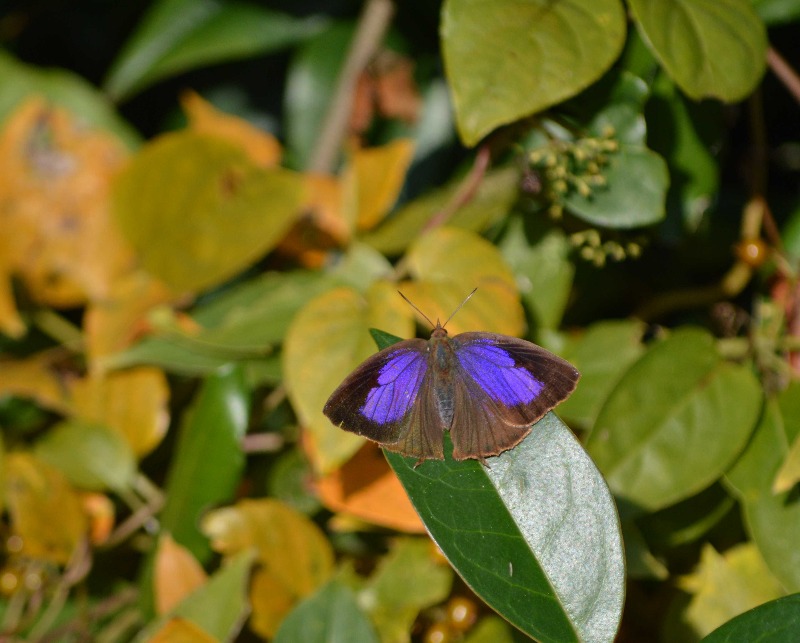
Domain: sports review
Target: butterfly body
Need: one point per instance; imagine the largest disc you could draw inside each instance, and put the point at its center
(486, 389)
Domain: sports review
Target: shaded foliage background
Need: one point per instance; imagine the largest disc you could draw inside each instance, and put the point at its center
(206, 205)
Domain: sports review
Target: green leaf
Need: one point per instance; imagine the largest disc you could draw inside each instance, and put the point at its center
(640, 561)
(773, 520)
(656, 439)
(62, 88)
(602, 354)
(710, 48)
(637, 181)
(330, 614)
(90, 456)
(507, 59)
(220, 606)
(493, 200)
(197, 210)
(179, 35)
(208, 458)
(775, 622)
(538, 253)
(392, 608)
(509, 529)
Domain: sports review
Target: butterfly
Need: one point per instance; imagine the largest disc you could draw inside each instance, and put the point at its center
(486, 389)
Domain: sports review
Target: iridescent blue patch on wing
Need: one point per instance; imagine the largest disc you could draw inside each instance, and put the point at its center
(494, 371)
(398, 382)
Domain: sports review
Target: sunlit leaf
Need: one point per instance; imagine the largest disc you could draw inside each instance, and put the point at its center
(789, 473)
(181, 630)
(724, 586)
(711, 48)
(506, 60)
(366, 488)
(35, 493)
(331, 614)
(775, 622)
(262, 148)
(328, 338)
(35, 377)
(55, 181)
(294, 555)
(198, 210)
(656, 438)
(91, 456)
(509, 530)
(446, 265)
(176, 574)
(133, 403)
(386, 596)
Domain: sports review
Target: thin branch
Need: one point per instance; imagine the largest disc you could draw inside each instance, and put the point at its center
(784, 71)
(372, 26)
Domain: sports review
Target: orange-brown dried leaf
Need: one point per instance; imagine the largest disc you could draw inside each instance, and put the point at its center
(262, 148)
(36, 377)
(270, 601)
(36, 494)
(100, 511)
(133, 402)
(181, 630)
(366, 487)
(176, 574)
(58, 236)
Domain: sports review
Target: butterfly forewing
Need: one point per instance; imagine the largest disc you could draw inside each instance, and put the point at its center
(378, 399)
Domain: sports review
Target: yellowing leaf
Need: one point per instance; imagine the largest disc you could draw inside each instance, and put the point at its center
(366, 487)
(262, 148)
(197, 210)
(328, 338)
(176, 574)
(724, 586)
(36, 493)
(55, 176)
(447, 264)
(789, 473)
(373, 181)
(181, 630)
(133, 403)
(35, 377)
(294, 555)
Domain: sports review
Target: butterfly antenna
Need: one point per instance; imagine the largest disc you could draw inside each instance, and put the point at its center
(460, 306)
(411, 303)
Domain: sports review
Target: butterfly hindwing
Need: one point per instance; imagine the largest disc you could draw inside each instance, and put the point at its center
(379, 399)
(503, 385)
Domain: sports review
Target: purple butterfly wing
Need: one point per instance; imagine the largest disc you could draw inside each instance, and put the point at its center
(388, 399)
(502, 386)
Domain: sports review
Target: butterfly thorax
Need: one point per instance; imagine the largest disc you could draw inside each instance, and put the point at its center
(441, 359)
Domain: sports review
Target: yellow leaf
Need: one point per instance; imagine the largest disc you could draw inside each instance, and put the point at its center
(365, 487)
(373, 181)
(55, 177)
(262, 148)
(197, 210)
(328, 338)
(176, 574)
(295, 556)
(181, 630)
(447, 264)
(724, 586)
(35, 494)
(35, 377)
(133, 403)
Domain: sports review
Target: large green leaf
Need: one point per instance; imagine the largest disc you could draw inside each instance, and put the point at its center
(535, 533)
(507, 59)
(197, 210)
(675, 422)
(329, 615)
(710, 48)
(775, 622)
(178, 35)
(208, 458)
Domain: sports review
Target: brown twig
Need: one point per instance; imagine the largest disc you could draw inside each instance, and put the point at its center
(784, 71)
(372, 26)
